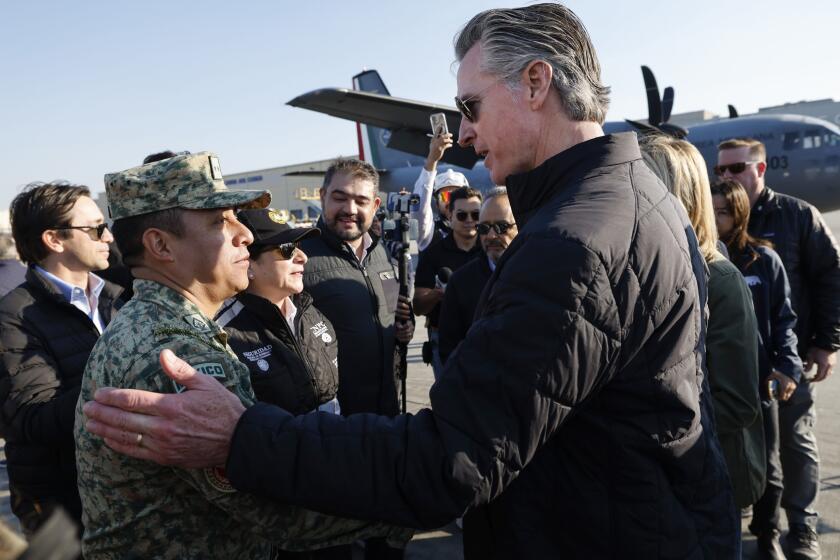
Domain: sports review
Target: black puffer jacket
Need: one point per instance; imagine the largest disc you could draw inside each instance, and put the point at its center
(298, 373)
(573, 405)
(810, 255)
(44, 346)
(463, 292)
(360, 300)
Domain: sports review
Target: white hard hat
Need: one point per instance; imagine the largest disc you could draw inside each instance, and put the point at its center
(450, 178)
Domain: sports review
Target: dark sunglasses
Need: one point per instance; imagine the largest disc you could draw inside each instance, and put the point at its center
(462, 215)
(287, 250)
(733, 168)
(469, 106)
(100, 229)
(499, 227)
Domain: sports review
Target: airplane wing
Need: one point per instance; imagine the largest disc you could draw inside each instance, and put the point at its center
(407, 120)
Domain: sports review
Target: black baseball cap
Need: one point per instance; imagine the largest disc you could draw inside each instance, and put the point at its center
(269, 227)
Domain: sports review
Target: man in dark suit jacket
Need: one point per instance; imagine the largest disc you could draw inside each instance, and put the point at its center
(496, 230)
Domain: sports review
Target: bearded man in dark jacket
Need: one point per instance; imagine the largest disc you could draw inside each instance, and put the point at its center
(574, 408)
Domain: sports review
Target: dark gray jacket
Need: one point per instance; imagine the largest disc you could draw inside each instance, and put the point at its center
(812, 262)
(360, 300)
(574, 406)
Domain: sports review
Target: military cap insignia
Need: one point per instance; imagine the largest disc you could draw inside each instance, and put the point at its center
(276, 217)
(215, 168)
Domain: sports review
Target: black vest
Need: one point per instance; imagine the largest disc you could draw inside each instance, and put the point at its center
(360, 300)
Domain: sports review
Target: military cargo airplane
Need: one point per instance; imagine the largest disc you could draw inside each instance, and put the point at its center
(803, 153)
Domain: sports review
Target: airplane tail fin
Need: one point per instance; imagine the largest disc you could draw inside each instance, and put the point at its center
(373, 141)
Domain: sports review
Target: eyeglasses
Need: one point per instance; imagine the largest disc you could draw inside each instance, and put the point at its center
(469, 106)
(99, 229)
(287, 250)
(499, 227)
(463, 215)
(733, 168)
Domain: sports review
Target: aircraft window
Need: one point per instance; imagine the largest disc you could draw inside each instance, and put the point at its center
(811, 139)
(791, 140)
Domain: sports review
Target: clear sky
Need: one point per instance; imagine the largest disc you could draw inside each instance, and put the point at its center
(90, 87)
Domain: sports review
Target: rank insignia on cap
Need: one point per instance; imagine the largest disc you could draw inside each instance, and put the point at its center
(215, 168)
(276, 217)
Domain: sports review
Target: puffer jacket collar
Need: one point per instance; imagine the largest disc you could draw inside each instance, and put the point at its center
(765, 201)
(339, 245)
(268, 311)
(109, 299)
(530, 190)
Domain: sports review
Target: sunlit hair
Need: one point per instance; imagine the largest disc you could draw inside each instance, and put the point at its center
(739, 240)
(511, 39)
(355, 168)
(683, 170)
(38, 208)
(495, 192)
(757, 150)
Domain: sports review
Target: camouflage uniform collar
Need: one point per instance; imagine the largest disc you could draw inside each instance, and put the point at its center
(190, 315)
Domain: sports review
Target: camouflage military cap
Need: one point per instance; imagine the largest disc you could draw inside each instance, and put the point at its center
(192, 181)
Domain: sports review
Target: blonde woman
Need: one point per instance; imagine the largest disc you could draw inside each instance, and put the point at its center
(731, 335)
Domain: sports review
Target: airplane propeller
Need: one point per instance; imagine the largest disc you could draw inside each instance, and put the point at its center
(667, 103)
(659, 110)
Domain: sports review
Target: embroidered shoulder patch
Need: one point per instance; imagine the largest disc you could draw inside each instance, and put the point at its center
(212, 369)
(217, 478)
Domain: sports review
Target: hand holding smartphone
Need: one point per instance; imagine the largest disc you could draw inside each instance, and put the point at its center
(439, 127)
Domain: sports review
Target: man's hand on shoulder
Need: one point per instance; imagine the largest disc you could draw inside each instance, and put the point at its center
(191, 429)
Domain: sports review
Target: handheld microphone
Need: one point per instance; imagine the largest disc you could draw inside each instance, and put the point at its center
(443, 276)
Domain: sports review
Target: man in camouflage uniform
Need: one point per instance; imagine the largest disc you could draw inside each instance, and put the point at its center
(176, 227)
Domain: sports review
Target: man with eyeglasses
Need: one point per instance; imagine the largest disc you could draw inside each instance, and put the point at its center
(444, 257)
(48, 326)
(496, 229)
(810, 255)
(437, 187)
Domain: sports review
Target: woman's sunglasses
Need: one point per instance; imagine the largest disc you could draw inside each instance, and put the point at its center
(462, 215)
(287, 250)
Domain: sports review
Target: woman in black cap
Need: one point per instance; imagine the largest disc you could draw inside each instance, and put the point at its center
(289, 347)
